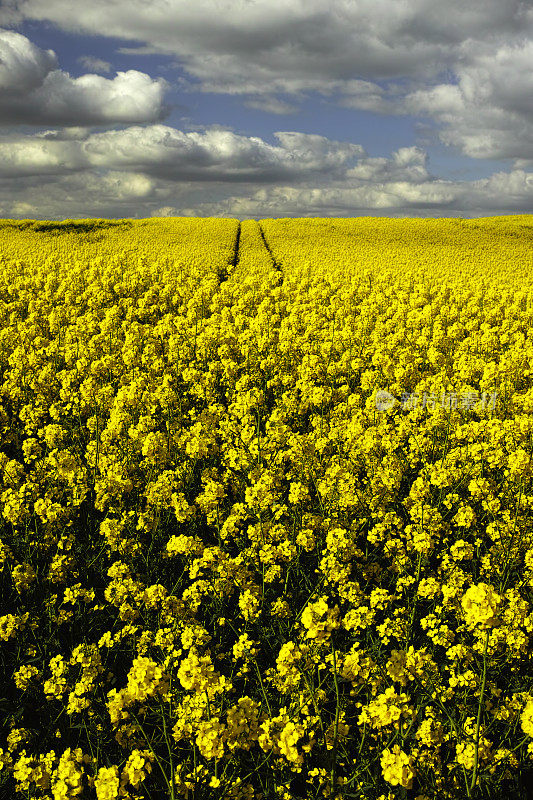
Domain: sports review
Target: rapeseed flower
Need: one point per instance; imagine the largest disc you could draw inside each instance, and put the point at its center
(480, 605)
(191, 430)
(397, 767)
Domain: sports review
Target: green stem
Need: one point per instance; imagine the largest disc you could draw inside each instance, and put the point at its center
(443, 708)
(153, 751)
(315, 706)
(194, 756)
(169, 755)
(262, 687)
(337, 709)
(410, 629)
(479, 710)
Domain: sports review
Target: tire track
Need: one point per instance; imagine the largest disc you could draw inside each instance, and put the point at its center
(236, 255)
(275, 264)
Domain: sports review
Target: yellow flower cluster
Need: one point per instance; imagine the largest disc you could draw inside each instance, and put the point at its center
(265, 491)
(397, 767)
(480, 604)
(24, 676)
(145, 679)
(10, 624)
(320, 620)
(387, 709)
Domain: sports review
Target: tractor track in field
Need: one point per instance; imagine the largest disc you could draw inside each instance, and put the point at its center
(275, 263)
(237, 249)
(230, 265)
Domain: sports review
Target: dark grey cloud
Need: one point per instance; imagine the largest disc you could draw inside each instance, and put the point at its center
(467, 66)
(298, 40)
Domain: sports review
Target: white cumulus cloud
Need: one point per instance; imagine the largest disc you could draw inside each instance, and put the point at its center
(34, 91)
(488, 113)
(23, 65)
(218, 154)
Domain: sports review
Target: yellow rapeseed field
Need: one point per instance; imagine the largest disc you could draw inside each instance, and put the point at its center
(266, 504)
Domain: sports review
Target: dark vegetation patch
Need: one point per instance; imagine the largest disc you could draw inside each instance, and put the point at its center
(65, 226)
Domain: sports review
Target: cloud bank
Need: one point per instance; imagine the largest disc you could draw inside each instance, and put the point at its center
(466, 70)
(157, 170)
(468, 66)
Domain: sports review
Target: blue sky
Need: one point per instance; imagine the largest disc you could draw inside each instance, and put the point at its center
(252, 109)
